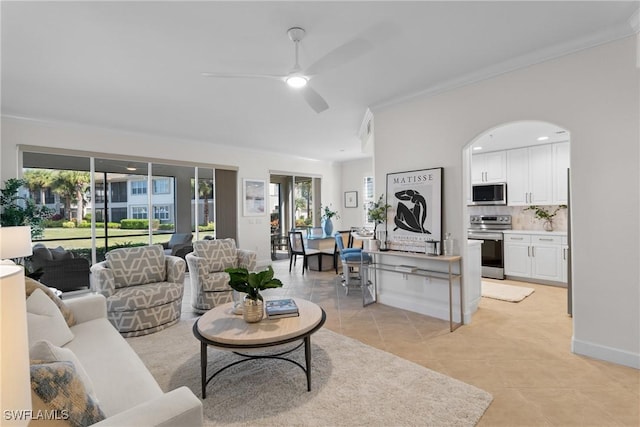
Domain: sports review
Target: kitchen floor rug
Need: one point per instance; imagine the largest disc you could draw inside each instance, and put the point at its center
(505, 292)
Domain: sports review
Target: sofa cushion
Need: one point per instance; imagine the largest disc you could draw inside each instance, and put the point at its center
(144, 296)
(44, 320)
(56, 386)
(137, 265)
(47, 352)
(220, 254)
(120, 379)
(31, 285)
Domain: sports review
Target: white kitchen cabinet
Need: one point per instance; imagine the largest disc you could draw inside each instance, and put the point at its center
(535, 256)
(517, 255)
(489, 167)
(560, 177)
(529, 176)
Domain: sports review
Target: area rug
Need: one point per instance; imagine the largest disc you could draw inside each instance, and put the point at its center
(352, 384)
(505, 292)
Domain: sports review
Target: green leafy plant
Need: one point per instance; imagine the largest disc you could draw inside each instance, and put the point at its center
(252, 283)
(19, 211)
(327, 213)
(377, 211)
(543, 213)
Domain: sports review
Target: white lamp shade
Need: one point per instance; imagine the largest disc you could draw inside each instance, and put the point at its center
(15, 242)
(15, 382)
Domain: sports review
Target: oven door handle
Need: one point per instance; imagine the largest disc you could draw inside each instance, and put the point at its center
(485, 236)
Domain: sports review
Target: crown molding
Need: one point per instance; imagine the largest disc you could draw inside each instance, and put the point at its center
(608, 35)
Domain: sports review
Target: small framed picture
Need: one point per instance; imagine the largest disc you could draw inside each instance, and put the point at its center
(350, 199)
(254, 197)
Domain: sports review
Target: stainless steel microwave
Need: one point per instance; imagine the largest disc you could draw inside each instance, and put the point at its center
(489, 194)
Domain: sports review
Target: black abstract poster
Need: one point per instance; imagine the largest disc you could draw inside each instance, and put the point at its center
(415, 215)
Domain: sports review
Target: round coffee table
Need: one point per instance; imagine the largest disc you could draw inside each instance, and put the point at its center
(220, 328)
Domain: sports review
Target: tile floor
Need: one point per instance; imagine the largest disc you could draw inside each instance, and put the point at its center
(519, 352)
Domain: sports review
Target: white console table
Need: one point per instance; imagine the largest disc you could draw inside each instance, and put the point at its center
(451, 271)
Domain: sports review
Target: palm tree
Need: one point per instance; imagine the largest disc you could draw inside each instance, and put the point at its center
(71, 185)
(37, 180)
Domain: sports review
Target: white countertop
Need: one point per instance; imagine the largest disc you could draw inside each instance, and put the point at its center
(539, 232)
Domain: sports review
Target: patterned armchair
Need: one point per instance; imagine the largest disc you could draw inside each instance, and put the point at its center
(143, 287)
(207, 262)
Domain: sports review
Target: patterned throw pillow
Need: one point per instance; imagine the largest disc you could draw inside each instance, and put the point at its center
(58, 392)
(137, 265)
(31, 285)
(47, 352)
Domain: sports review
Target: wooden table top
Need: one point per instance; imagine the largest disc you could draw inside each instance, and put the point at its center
(220, 325)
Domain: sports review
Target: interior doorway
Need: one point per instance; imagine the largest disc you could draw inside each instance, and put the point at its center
(530, 161)
(293, 204)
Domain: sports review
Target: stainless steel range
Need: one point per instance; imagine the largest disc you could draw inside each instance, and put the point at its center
(489, 229)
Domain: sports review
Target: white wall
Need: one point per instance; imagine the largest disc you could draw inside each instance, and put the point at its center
(352, 177)
(253, 232)
(595, 95)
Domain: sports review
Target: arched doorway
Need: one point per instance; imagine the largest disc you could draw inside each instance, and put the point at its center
(515, 179)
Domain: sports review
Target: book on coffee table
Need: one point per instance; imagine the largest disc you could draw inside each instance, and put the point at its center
(281, 308)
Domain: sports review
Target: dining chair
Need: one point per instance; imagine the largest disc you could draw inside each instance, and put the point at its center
(353, 260)
(296, 247)
(347, 242)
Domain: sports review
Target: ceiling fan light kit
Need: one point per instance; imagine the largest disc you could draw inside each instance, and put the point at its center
(296, 81)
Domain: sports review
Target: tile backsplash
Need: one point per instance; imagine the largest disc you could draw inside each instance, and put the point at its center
(523, 219)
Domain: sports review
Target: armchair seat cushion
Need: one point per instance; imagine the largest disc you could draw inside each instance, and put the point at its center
(215, 282)
(144, 296)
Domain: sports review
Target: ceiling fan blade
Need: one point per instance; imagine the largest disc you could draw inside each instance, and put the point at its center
(243, 76)
(314, 99)
(361, 44)
(341, 55)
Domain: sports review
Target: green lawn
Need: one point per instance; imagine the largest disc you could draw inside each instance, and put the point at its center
(58, 237)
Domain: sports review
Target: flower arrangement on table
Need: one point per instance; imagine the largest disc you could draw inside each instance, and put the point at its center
(377, 212)
(327, 213)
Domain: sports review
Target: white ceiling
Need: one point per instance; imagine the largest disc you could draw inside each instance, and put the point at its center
(137, 66)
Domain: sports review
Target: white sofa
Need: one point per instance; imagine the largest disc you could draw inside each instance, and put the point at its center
(126, 391)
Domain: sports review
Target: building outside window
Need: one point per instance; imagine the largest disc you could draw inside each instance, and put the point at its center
(161, 186)
(161, 212)
(138, 187)
(118, 214)
(118, 191)
(139, 212)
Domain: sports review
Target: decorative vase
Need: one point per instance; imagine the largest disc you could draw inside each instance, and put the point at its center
(253, 310)
(327, 227)
(238, 302)
(548, 225)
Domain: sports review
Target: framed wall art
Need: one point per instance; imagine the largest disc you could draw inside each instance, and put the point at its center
(414, 220)
(350, 199)
(254, 197)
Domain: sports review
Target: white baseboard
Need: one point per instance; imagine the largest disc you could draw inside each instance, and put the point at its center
(609, 354)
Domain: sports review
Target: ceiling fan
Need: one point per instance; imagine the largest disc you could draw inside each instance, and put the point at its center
(298, 78)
